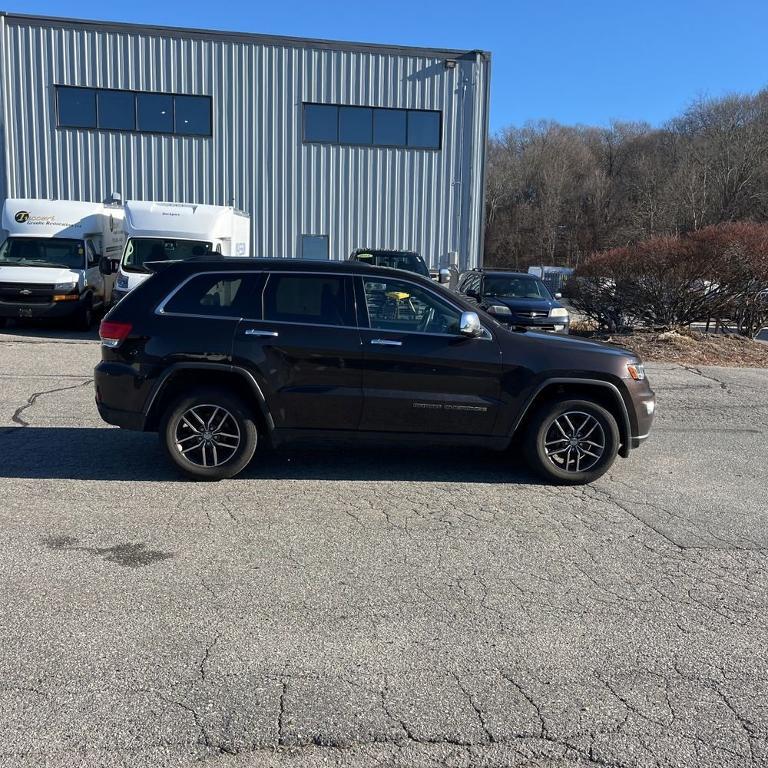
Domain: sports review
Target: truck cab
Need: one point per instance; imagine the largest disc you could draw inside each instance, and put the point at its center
(54, 261)
(177, 232)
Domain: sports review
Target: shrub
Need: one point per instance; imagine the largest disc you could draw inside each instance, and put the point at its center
(719, 272)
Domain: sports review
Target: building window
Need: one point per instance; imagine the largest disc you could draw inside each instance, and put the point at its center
(355, 125)
(314, 247)
(117, 110)
(76, 107)
(424, 129)
(321, 123)
(389, 127)
(372, 126)
(193, 115)
(154, 112)
(143, 111)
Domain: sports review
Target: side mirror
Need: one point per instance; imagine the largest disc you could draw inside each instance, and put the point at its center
(444, 276)
(105, 266)
(469, 324)
(558, 295)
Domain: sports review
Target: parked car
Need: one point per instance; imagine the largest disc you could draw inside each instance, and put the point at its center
(410, 261)
(515, 299)
(219, 355)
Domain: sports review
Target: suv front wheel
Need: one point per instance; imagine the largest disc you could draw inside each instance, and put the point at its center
(572, 441)
(209, 434)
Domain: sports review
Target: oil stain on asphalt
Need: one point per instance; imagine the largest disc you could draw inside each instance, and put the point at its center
(128, 555)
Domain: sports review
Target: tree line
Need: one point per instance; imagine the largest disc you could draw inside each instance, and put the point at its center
(556, 194)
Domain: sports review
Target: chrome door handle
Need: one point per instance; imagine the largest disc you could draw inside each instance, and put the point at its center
(387, 342)
(257, 332)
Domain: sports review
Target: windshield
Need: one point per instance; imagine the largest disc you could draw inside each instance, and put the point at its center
(410, 262)
(515, 288)
(140, 250)
(42, 252)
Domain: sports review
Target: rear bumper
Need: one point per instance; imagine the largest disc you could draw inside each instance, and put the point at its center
(120, 395)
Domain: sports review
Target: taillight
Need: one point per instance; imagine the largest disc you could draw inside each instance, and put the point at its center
(112, 334)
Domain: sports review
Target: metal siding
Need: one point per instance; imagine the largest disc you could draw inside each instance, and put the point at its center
(430, 201)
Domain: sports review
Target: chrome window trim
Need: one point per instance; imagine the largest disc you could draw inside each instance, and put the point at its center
(160, 309)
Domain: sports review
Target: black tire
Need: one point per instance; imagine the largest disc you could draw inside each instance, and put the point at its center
(176, 433)
(549, 442)
(84, 316)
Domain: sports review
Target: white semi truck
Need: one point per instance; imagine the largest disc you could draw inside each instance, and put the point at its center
(177, 231)
(56, 259)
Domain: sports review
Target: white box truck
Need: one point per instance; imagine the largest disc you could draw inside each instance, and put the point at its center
(55, 256)
(176, 231)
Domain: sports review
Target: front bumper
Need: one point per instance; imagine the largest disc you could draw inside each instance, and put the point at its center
(53, 309)
(548, 324)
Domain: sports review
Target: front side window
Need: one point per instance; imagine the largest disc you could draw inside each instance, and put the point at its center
(395, 305)
(311, 299)
(76, 107)
(213, 295)
(141, 250)
(43, 252)
(515, 288)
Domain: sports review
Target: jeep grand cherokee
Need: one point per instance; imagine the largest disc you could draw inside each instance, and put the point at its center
(217, 355)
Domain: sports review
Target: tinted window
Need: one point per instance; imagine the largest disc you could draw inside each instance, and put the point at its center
(394, 305)
(154, 112)
(77, 107)
(424, 130)
(389, 127)
(213, 295)
(321, 123)
(515, 288)
(315, 299)
(43, 251)
(314, 247)
(117, 110)
(355, 125)
(193, 115)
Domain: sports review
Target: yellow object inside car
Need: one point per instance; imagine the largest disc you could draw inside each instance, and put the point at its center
(398, 295)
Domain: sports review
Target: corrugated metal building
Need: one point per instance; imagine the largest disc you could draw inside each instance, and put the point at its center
(89, 108)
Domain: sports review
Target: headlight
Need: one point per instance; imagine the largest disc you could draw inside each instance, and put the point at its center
(121, 283)
(65, 287)
(636, 371)
(499, 309)
(558, 312)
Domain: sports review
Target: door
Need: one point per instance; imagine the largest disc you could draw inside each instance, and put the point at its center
(93, 276)
(420, 375)
(305, 351)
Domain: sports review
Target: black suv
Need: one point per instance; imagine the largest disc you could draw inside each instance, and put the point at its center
(515, 298)
(219, 354)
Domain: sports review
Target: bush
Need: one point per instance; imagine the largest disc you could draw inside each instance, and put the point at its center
(719, 272)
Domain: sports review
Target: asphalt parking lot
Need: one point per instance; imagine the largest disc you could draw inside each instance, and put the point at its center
(357, 608)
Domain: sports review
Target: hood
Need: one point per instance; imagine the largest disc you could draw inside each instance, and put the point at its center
(572, 343)
(42, 275)
(523, 305)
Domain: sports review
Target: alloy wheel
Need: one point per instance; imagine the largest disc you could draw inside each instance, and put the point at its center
(575, 441)
(207, 435)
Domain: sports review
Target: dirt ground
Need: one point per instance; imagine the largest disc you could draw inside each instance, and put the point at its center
(689, 347)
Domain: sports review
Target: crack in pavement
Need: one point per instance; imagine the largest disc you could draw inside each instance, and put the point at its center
(32, 399)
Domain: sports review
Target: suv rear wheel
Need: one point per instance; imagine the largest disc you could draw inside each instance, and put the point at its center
(572, 441)
(209, 434)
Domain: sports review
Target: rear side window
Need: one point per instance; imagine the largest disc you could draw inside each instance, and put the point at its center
(311, 299)
(213, 295)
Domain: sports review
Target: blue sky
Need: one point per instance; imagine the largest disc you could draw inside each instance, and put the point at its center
(579, 61)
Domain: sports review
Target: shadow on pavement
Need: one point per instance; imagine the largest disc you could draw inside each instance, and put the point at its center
(48, 329)
(113, 454)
